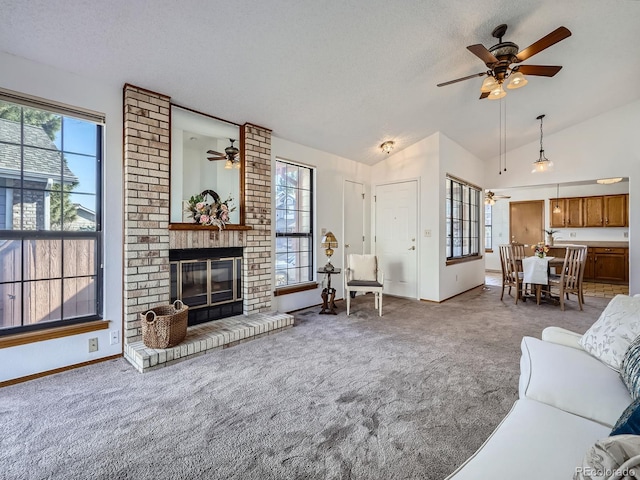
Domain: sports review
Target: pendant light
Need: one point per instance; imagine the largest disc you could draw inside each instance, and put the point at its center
(557, 208)
(543, 164)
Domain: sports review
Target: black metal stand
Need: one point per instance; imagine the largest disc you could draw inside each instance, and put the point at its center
(328, 294)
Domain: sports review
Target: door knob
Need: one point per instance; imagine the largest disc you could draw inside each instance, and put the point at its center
(412, 248)
(347, 245)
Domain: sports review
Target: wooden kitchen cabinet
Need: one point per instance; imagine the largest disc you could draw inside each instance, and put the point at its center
(607, 265)
(615, 211)
(593, 211)
(570, 214)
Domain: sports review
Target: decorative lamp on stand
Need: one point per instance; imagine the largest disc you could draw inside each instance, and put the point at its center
(329, 242)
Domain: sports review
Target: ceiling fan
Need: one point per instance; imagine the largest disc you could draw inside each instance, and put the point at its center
(500, 60)
(490, 197)
(230, 155)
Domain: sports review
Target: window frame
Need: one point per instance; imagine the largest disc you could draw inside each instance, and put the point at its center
(465, 216)
(310, 281)
(488, 241)
(25, 236)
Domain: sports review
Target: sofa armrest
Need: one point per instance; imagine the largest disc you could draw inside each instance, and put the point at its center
(562, 336)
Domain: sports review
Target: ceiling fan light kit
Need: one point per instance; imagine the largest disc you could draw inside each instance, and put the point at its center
(500, 57)
(230, 155)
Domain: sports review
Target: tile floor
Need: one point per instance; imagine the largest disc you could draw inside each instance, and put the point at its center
(591, 289)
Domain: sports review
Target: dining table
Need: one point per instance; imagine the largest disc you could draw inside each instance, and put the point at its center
(536, 271)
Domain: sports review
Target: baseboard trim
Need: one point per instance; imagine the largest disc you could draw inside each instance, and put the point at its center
(453, 296)
(15, 381)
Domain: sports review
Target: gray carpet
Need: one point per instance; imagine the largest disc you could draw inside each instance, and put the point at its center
(407, 396)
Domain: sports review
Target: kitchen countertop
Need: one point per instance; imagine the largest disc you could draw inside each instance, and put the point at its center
(593, 243)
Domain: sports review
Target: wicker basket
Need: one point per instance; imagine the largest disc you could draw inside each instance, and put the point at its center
(165, 326)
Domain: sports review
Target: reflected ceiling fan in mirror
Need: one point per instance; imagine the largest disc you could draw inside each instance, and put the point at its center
(500, 60)
(490, 197)
(231, 155)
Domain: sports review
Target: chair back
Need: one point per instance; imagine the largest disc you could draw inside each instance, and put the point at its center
(518, 250)
(362, 267)
(505, 262)
(573, 267)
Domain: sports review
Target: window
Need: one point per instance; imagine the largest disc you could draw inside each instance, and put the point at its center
(463, 219)
(50, 203)
(294, 224)
(488, 245)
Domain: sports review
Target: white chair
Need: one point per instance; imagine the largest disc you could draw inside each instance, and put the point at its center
(363, 275)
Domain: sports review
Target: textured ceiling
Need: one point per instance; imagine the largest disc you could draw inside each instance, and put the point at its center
(343, 76)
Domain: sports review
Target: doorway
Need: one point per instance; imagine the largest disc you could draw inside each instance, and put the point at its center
(396, 235)
(353, 218)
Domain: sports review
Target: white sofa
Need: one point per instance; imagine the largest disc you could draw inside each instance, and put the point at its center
(567, 401)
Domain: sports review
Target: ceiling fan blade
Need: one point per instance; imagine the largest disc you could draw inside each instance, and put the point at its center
(484, 95)
(554, 37)
(211, 159)
(483, 54)
(461, 79)
(540, 70)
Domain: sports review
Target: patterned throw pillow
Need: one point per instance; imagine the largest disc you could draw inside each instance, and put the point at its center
(609, 458)
(619, 324)
(630, 369)
(629, 421)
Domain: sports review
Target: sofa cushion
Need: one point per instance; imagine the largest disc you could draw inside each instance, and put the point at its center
(611, 335)
(629, 421)
(571, 380)
(534, 441)
(607, 455)
(630, 369)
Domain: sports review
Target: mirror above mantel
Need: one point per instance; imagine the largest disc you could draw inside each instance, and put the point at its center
(193, 135)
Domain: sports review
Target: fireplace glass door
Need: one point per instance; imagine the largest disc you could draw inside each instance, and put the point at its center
(194, 283)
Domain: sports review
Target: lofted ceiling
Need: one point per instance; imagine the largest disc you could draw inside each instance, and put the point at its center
(343, 76)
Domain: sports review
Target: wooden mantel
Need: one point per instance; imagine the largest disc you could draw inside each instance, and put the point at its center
(195, 226)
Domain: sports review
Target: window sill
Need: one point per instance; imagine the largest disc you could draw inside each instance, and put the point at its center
(50, 334)
(295, 289)
(455, 261)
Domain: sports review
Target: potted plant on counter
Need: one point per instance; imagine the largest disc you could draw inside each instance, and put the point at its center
(550, 233)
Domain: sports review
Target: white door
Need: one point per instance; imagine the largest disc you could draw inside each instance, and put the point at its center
(353, 218)
(396, 237)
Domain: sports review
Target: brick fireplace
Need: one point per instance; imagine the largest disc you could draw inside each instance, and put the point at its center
(148, 235)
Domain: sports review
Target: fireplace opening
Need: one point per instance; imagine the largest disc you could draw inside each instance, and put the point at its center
(208, 280)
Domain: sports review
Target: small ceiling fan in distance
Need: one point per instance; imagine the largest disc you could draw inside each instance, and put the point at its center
(503, 61)
(230, 155)
(490, 197)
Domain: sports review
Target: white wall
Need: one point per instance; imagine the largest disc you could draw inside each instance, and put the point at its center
(604, 146)
(500, 215)
(430, 160)
(330, 173)
(460, 277)
(36, 79)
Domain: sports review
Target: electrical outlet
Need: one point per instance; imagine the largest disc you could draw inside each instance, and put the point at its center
(572, 234)
(427, 233)
(626, 234)
(323, 231)
(115, 337)
(93, 345)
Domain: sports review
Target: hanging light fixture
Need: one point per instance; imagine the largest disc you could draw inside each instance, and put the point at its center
(543, 164)
(557, 208)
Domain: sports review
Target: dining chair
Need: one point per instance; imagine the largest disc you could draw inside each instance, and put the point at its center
(511, 263)
(570, 278)
(363, 274)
